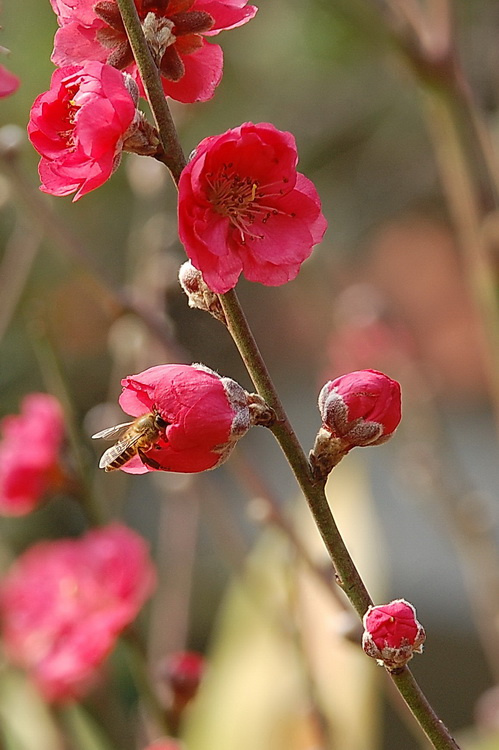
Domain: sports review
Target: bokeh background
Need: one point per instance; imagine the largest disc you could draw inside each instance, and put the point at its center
(388, 288)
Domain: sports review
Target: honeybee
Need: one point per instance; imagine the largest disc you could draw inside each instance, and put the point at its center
(133, 439)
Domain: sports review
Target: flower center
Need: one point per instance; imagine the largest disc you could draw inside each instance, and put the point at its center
(242, 200)
(69, 119)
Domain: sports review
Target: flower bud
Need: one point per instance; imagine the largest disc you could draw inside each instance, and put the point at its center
(392, 634)
(362, 407)
(358, 409)
(183, 671)
(198, 292)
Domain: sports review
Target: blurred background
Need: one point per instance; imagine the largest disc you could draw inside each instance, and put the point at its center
(89, 294)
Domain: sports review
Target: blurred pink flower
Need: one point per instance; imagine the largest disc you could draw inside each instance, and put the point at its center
(205, 415)
(392, 633)
(166, 743)
(361, 407)
(29, 454)
(243, 208)
(78, 127)
(9, 83)
(175, 29)
(65, 602)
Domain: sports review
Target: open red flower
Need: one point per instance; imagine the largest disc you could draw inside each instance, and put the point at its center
(243, 208)
(78, 127)
(29, 454)
(392, 633)
(190, 67)
(202, 415)
(65, 602)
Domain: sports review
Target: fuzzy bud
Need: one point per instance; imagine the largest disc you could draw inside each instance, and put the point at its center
(392, 634)
(358, 409)
(198, 293)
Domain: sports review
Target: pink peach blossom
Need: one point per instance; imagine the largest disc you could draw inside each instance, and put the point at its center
(65, 602)
(204, 413)
(29, 454)
(78, 127)
(243, 208)
(191, 68)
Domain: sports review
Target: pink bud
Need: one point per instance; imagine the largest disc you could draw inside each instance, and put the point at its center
(183, 670)
(362, 407)
(392, 634)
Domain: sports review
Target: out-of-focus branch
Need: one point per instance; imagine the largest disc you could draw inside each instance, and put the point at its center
(53, 226)
(469, 168)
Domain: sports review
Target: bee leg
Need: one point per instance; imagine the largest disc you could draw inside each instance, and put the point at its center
(148, 461)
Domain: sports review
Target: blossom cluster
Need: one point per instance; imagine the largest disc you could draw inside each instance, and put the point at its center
(244, 209)
(242, 206)
(81, 125)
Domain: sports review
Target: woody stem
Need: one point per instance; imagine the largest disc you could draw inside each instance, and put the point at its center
(347, 574)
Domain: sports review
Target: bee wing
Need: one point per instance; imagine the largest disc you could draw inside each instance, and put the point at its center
(116, 450)
(112, 433)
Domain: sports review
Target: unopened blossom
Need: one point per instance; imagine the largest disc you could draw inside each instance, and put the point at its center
(198, 293)
(65, 602)
(175, 30)
(358, 409)
(363, 407)
(9, 83)
(181, 672)
(79, 126)
(30, 454)
(201, 417)
(392, 633)
(243, 208)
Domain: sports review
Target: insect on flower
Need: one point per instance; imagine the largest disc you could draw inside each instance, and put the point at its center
(134, 438)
